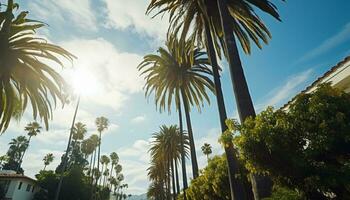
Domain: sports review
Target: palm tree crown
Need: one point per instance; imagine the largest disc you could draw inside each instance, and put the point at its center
(25, 76)
(79, 131)
(245, 22)
(178, 67)
(33, 129)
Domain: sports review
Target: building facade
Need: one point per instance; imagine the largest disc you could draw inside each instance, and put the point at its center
(17, 186)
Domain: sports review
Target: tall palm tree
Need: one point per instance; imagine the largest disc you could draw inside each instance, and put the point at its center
(48, 159)
(102, 124)
(79, 132)
(215, 24)
(104, 162)
(25, 76)
(206, 149)
(17, 147)
(33, 129)
(180, 72)
(114, 160)
(165, 149)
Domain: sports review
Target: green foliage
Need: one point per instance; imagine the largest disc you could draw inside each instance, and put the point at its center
(189, 17)
(283, 193)
(213, 182)
(306, 147)
(179, 69)
(75, 185)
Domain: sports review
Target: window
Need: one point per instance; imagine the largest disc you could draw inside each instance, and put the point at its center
(5, 184)
(33, 189)
(28, 187)
(20, 185)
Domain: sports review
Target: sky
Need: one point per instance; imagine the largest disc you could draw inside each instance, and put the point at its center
(110, 37)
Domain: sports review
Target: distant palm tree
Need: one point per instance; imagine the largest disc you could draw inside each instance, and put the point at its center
(114, 160)
(165, 149)
(102, 124)
(182, 72)
(33, 129)
(17, 147)
(206, 149)
(79, 131)
(215, 25)
(104, 162)
(48, 159)
(26, 77)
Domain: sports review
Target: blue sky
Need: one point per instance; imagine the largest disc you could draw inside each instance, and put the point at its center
(109, 37)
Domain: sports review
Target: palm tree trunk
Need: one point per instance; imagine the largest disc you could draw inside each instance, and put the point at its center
(168, 178)
(44, 167)
(58, 190)
(173, 178)
(236, 187)
(98, 159)
(190, 134)
(183, 157)
(110, 175)
(177, 178)
(261, 185)
(91, 164)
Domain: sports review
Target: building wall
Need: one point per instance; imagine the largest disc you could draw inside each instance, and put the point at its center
(22, 193)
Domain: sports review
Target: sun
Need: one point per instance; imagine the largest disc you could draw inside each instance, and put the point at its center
(83, 82)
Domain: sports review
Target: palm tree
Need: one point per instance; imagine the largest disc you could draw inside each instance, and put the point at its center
(114, 160)
(26, 77)
(79, 132)
(102, 124)
(17, 147)
(206, 149)
(48, 159)
(215, 24)
(104, 162)
(179, 71)
(165, 149)
(33, 129)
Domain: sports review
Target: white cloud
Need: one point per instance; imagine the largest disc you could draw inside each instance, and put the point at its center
(135, 161)
(285, 92)
(139, 119)
(114, 73)
(340, 37)
(132, 15)
(78, 12)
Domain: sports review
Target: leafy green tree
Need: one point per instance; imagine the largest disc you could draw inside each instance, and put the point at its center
(48, 159)
(25, 76)
(180, 72)
(206, 149)
(213, 182)
(306, 147)
(215, 24)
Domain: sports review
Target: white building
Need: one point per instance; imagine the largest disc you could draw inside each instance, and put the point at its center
(18, 186)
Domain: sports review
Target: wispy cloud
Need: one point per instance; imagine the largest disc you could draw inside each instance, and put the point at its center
(80, 12)
(285, 92)
(340, 37)
(139, 119)
(132, 16)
